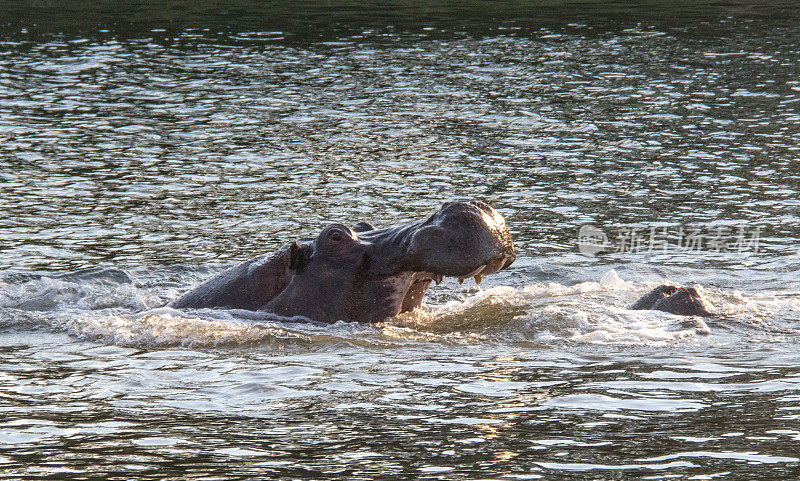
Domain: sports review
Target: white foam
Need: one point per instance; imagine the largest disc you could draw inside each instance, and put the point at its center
(593, 312)
(50, 293)
(101, 307)
(172, 330)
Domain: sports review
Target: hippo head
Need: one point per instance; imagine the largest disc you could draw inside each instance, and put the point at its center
(683, 301)
(368, 275)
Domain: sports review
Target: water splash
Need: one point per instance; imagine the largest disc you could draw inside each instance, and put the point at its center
(110, 307)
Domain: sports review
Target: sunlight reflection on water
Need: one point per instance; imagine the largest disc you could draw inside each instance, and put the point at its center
(133, 167)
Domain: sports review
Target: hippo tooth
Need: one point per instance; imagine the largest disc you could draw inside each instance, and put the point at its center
(475, 272)
(478, 279)
(438, 278)
(495, 265)
(460, 280)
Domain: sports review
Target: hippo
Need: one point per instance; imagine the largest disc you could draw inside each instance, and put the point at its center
(363, 274)
(684, 301)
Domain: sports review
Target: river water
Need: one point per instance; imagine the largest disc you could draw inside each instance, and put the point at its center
(137, 161)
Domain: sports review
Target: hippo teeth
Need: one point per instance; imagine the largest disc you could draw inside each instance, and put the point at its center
(479, 273)
(495, 265)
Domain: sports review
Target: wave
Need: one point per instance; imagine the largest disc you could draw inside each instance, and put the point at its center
(114, 307)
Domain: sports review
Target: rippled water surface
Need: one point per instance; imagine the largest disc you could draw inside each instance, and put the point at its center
(135, 163)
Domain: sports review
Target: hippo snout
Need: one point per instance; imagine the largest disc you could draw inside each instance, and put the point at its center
(463, 239)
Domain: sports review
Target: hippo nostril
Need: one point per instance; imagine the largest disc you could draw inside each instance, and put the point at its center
(483, 206)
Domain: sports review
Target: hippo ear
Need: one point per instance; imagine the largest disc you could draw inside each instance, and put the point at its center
(298, 256)
(363, 227)
(271, 274)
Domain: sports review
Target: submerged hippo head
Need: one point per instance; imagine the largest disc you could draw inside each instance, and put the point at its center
(365, 274)
(684, 301)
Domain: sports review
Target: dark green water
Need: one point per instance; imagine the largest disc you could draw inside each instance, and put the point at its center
(143, 149)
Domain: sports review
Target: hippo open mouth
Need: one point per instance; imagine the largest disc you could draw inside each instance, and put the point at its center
(362, 273)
